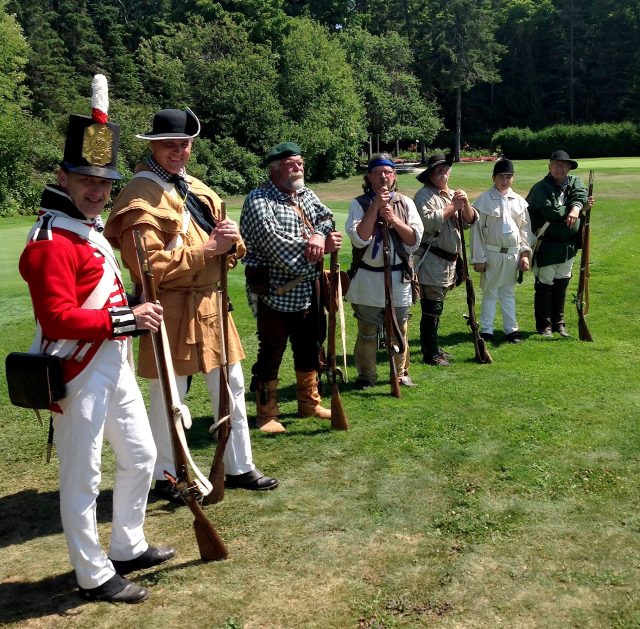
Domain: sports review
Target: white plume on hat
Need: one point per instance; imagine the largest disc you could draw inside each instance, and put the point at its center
(100, 99)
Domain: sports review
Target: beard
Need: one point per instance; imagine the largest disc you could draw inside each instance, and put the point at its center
(296, 182)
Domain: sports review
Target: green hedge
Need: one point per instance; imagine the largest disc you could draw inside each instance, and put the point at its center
(597, 140)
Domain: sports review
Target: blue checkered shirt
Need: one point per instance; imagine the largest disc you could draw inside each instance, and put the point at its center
(276, 236)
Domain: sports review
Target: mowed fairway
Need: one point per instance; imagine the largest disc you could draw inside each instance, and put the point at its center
(501, 495)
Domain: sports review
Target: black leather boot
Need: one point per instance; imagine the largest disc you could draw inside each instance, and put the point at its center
(431, 353)
(542, 308)
(558, 297)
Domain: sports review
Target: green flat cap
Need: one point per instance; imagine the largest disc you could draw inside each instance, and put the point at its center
(282, 150)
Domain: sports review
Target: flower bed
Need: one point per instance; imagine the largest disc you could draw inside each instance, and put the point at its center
(487, 158)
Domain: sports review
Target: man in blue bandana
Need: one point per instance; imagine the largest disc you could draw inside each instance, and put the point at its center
(381, 201)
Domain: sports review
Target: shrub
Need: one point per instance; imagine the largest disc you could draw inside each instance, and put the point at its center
(597, 140)
(29, 155)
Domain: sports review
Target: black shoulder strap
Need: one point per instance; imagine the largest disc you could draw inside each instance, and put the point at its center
(357, 253)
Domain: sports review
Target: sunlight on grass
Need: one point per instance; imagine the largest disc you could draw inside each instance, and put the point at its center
(502, 495)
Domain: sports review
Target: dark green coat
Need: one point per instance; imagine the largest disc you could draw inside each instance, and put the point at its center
(559, 242)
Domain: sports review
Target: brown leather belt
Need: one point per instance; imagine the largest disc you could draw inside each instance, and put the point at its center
(441, 253)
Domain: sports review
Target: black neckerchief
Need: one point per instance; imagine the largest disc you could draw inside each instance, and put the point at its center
(55, 198)
(200, 211)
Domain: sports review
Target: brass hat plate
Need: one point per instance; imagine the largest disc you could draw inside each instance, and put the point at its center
(97, 144)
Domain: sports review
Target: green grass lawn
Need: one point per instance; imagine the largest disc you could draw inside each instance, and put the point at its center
(501, 495)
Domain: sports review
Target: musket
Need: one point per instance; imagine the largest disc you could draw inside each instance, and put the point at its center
(191, 490)
(394, 340)
(222, 427)
(338, 416)
(482, 353)
(582, 296)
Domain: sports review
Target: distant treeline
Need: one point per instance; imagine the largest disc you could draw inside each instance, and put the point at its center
(337, 76)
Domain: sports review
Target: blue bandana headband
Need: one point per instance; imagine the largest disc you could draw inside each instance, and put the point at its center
(374, 163)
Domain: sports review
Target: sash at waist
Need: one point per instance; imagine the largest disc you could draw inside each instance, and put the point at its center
(378, 269)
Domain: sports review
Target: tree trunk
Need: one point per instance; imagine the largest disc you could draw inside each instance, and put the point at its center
(456, 149)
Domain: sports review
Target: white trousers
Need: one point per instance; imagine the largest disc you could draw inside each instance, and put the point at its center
(498, 284)
(238, 458)
(103, 401)
(546, 274)
(506, 295)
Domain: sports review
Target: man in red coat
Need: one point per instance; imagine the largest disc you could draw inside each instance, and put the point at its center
(82, 316)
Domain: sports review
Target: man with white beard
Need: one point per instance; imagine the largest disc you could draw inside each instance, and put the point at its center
(287, 230)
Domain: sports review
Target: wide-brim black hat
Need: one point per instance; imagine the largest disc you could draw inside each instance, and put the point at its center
(435, 160)
(173, 124)
(92, 147)
(563, 156)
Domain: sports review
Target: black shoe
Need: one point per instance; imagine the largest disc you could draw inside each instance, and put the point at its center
(513, 337)
(437, 361)
(487, 336)
(254, 480)
(116, 590)
(361, 384)
(166, 491)
(150, 557)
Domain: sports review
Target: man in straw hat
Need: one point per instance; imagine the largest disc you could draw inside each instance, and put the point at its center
(500, 249)
(287, 230)
(440, 249)
(82, 316)
(555, 204)
(180, 220)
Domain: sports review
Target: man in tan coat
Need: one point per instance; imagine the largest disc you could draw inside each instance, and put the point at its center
(435, 259)
(179, 218)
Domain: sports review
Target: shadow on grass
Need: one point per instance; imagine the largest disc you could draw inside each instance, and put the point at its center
(30, 514)
(53, 596)
(58, 595)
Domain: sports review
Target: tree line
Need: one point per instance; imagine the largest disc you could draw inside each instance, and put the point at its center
(338, 76)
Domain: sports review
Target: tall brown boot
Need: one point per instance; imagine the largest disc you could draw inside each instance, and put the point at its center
(267, 408)
(308, 397)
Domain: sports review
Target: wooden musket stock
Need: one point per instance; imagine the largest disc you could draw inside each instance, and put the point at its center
(211, 547)
(582, 296)
(223, 431)
(394, 340)
(338, 415)
(482, 353)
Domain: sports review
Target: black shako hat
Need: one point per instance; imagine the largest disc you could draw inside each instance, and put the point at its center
(282, 151)
(435, 160)
(563, 156)
(173, 124)
(91, 147)
(503, 166)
